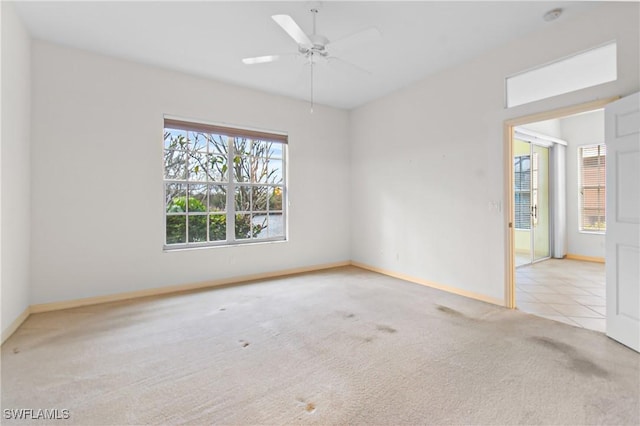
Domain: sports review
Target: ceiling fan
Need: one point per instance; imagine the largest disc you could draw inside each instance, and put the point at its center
(315, 47)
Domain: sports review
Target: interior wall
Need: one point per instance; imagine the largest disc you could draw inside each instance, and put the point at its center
(15, 159)
(98, 170)
(427, 176)
(579, 130)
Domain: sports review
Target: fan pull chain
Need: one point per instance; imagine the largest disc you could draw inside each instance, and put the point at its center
(312, 83)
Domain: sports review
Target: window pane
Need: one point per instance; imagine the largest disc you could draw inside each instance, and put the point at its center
(259, 170)
(175, 164)
(275, 150)
(217, 227)
(275, 171)
(197, 163)
(260, 226)
(217, 168)
(176, 229)
(259, 196)
(218, 144)
(260, 148)
(175, 139)
(197, 198)
(217, 198)
(242, 146)
(175, 197)
(241, 169)
(197, 228)
(275, 198)
(276, 225)
(198, 141)
(243, 198)
(243, 226)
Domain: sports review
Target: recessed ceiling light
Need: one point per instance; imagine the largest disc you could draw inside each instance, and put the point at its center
(552, 15)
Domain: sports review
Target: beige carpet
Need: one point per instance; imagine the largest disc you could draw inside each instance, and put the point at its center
(343, 346)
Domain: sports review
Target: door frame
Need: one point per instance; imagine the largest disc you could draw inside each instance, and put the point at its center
(509, 124)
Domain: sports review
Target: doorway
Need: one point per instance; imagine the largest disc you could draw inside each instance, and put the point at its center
(537, 248)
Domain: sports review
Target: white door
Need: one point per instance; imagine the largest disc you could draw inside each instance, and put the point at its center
(622, 134)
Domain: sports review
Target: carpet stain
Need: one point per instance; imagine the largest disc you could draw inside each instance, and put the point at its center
(16, 350)
(450, 311)
(223, 309)
(243, 343)
(368, 339)
(349, 315)
(576, 362)
(386, 329)
(309, 407)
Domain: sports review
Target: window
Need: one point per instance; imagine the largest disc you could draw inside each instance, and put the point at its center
(592, 165)
(582, 70)
(222, 185)
(522, 190)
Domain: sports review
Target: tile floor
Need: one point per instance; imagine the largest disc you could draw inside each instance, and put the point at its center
(569, 291)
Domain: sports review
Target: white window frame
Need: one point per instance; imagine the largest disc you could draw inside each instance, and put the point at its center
(231, 133)
(581, 227)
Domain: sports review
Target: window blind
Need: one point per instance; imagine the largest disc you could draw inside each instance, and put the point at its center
(592, 160)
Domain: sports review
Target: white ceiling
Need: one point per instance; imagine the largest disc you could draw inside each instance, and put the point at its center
(210, 38)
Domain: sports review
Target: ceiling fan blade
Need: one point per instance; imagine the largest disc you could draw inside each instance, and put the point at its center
(349, 65)
(356, 39)
(295, 32)
(261, 59)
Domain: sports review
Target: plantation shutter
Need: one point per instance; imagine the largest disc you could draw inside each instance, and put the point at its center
(592, 188)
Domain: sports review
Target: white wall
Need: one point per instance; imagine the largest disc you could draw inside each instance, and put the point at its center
(578, 130)
(428, 161)
(97, 176)
(15, 149)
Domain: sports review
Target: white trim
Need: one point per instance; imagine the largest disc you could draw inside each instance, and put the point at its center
(537, 138)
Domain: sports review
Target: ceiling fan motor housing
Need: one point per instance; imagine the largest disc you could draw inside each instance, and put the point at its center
(318, 46)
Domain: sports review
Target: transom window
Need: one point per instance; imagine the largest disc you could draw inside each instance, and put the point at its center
(592, 164)
(222, 185)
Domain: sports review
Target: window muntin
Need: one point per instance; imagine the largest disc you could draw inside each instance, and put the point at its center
(592, 190)
(221, 186)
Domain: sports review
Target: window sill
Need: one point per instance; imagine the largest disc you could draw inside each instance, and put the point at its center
(592, 232)
(169, 249)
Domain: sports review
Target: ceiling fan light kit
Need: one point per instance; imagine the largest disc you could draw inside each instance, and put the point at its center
(313, 47)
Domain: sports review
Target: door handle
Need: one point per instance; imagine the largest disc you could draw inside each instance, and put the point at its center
(535, 212)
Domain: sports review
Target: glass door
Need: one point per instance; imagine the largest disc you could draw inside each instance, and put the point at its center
(540, 202)
(531, 202)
